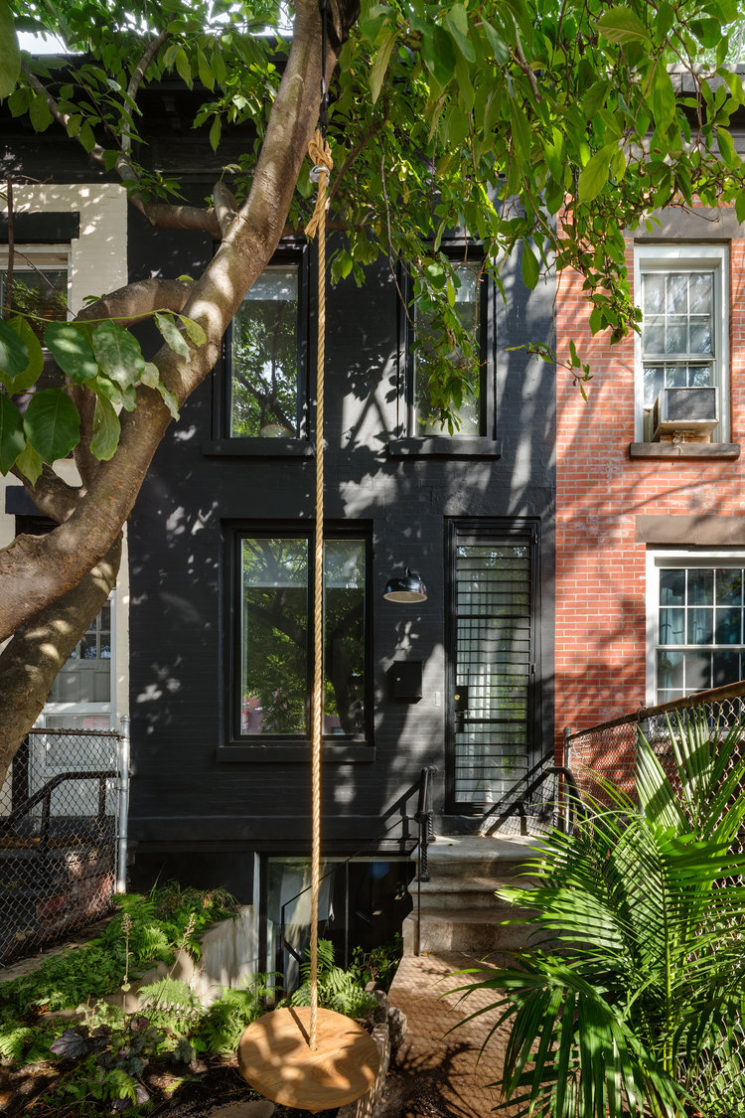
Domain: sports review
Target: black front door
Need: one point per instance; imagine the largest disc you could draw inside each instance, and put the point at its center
(491, 661)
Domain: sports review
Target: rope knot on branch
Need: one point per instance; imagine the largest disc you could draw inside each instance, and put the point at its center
(320, 153)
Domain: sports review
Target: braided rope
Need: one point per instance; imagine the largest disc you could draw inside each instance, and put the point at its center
(321, 155)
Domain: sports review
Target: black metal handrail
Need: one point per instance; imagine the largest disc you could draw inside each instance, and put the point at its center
(44, 797)
(569, 802)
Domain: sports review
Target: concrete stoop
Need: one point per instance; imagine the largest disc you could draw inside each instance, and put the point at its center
(456, 910)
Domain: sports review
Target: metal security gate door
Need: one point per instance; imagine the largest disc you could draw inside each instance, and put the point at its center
(491, 662)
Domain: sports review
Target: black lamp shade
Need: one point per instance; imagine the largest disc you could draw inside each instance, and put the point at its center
(408, 588)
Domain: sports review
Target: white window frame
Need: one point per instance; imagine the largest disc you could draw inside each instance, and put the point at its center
(91, 709)
(688, 257)
(674, 557)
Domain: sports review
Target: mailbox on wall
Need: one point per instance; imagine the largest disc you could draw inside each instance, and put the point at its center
(405, 680)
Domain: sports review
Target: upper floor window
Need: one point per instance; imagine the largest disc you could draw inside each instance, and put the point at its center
(266, 382)
(683, 389)
(274, 663)
(466, 366)
(696, 615)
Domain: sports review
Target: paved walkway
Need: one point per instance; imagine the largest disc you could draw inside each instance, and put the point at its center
(437, 1073)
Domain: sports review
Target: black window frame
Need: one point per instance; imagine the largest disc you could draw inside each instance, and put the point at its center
(287, 253)
(442, 442)
(288, 747)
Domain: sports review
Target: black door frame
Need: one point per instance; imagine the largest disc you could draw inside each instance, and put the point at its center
(482, 528)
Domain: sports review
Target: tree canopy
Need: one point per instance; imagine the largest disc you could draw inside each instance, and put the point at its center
(545, 127)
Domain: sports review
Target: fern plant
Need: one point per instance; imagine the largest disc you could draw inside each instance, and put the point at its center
(222, 1026)
(630, 1001)
(338, 989)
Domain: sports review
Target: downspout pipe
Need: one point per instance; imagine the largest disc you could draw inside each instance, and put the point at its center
(124, 753)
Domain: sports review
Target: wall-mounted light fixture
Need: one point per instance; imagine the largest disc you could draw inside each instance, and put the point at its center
(410, 588)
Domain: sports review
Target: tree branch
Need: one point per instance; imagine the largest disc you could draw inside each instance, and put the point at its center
(36, 571)
(52, 496)
(32, 659)
(163, 214)
(137, 78)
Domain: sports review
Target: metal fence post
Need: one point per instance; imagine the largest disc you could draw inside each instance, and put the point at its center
(123, 812)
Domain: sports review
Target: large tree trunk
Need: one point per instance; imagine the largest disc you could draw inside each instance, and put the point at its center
(37, 572)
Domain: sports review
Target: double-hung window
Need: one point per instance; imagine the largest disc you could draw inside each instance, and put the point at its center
(266, 384)
(682, 367)
(434, 365)
(273, 664)
(696, 623)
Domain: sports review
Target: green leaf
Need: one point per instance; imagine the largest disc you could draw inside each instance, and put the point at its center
(118, 353)
(33, 370)
(71, 350)
(530, 267)
(194, 332)
(457, 22)
(379, 68)
(727, 148)
(663, 97)
(39, 113)
(52, 424)
(14, 355)
(438, 53)
(10, 56)
(206, 77)
(621, 25)
(12, 439)
(151, 377)
(215, 133)
(106, 430)
(30, 464)
(497, 43)
(174, 338)
(182, 67)
(594, 174)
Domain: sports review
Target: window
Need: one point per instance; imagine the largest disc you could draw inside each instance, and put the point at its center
(38, 283)
(267, 384)
(696, 617)
(275, 639)
(475, 412)
(81, 696)
(682, 351)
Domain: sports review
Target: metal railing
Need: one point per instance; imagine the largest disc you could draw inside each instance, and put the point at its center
(62, 835)
(423, 817)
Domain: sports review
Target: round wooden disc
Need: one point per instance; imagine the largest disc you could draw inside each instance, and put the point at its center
(274, 1056)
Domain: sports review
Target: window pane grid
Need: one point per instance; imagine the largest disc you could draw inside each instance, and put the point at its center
(701, 629)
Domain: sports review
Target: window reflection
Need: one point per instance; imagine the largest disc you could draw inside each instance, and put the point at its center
(277, 636)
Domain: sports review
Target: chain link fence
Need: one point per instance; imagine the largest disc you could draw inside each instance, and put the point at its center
(62, 833)
(609, 749)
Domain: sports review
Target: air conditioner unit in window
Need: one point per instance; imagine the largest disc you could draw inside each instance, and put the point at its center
(690, 410)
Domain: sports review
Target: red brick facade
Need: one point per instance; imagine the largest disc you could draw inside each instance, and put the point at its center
(600, 491)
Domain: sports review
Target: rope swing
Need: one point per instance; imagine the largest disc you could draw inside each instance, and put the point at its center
(310, 1058)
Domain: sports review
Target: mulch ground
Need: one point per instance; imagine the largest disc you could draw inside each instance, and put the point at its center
(192, 1092)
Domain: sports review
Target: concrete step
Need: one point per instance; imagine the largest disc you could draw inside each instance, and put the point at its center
(462, 892)
(479, 856)
(470, 930)
(456, 909)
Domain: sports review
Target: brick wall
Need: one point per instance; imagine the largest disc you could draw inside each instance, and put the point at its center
(600, 568)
